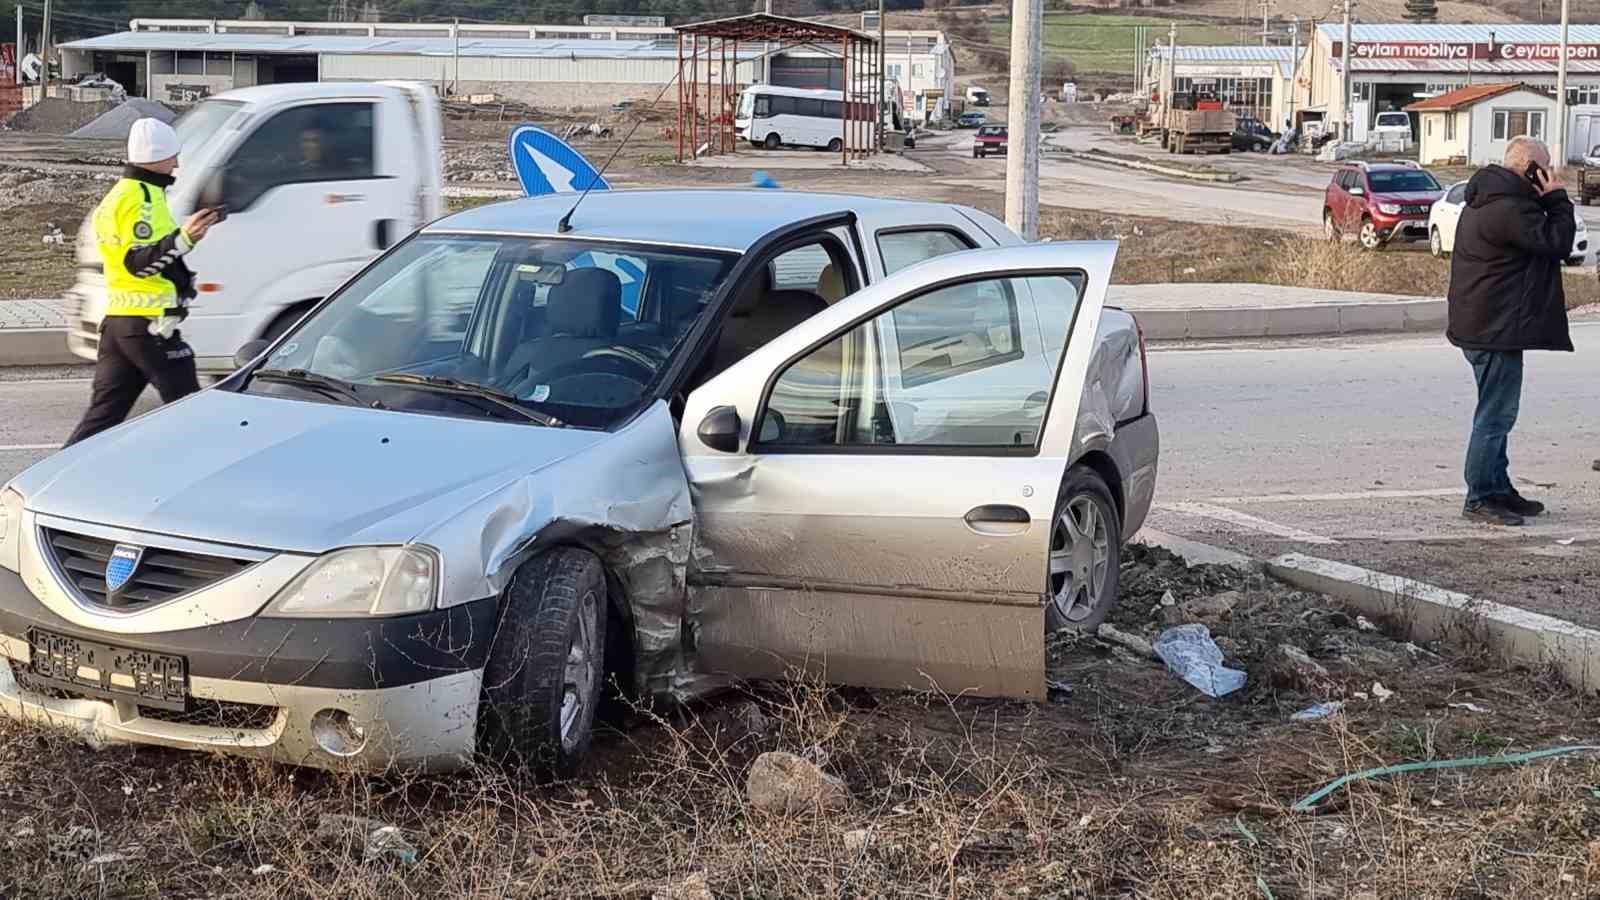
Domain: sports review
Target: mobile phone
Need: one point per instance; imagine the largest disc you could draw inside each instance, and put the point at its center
(221, 209)
(1532, 173)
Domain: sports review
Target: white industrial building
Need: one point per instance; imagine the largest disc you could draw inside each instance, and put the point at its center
(1391, 67)
(553, 66)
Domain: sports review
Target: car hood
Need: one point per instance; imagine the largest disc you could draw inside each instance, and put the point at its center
(286, 474)
(1409, 197)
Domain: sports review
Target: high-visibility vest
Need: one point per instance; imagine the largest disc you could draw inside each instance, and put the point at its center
(133, 214)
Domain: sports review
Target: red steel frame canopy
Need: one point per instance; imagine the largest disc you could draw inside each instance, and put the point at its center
(706, 107)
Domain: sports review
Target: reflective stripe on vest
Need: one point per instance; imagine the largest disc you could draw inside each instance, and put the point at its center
(133, 214)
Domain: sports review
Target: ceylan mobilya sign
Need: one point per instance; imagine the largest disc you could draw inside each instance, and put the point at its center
(1447, 51)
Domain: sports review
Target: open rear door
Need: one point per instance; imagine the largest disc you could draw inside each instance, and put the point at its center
(885, 514)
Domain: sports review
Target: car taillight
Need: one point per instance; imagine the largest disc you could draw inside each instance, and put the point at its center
(1144, 361)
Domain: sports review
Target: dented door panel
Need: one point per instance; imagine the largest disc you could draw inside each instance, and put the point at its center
(895, 565)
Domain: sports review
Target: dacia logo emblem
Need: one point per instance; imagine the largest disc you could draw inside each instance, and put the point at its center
(124, 561)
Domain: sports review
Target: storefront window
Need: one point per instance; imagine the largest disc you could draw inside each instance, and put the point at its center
(1242, 95)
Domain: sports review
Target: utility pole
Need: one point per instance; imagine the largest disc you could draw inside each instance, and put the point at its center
(1294, 67)
(455, 38)
(1559, 157)
(1022, 159)
(44, 48)
(21, 48)
(882, 57)
(1169, 78)
(1344, 78)
(1266, 7)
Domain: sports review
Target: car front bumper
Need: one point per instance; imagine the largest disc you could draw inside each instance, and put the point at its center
(343, 694)
(1402, 229)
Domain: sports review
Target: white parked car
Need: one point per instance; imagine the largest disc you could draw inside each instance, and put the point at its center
(1446, 215)
(1393, 126)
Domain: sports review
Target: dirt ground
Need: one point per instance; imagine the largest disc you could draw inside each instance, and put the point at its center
(1126, 783)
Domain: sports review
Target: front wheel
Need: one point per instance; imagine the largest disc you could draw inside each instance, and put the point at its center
(772, 142)
(543, 681)
(1368, 236)
(1085, 553)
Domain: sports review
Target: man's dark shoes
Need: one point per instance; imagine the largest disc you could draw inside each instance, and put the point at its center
(1521, 505)
(1491, 512)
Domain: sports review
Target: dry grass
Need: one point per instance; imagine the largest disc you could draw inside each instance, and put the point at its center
(1133, 785)
(1155, 251)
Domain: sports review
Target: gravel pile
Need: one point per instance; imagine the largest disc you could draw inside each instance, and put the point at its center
(115, 124)
(57, 115)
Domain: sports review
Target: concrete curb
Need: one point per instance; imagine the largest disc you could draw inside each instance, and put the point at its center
(1172, 171)
(36, 347)
(1195, 553)
(1291, 321)
(1432, 613)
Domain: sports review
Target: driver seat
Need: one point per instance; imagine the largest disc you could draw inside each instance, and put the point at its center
(581, 315)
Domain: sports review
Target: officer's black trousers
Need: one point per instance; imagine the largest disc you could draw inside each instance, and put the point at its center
(130, 358)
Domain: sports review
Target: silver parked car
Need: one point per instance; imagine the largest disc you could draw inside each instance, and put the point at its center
(675, 438)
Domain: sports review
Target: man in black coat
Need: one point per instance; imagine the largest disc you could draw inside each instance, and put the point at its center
(1506, 297)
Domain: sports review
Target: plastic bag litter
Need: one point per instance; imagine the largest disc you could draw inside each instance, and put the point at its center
(1319, 711)
(1192, 655)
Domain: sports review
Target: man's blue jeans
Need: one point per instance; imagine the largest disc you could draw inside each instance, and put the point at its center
(1499, 377)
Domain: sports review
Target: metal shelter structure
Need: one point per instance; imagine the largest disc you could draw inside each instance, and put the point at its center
(708, 81)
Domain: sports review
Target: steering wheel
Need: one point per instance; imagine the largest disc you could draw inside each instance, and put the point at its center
(605, 366)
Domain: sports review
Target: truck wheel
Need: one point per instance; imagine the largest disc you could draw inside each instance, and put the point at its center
(1085, 553)
(1183, 144)
(286, 320)
(1368, 236)
(772, 142)
(1330, 228)
(544, 677)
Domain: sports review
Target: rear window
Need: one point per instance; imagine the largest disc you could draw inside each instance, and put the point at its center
(1389, 120)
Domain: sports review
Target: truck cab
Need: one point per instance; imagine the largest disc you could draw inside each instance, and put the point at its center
(977, 96)
(317, 179)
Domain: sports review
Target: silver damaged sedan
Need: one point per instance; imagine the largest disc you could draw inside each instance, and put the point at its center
(519, 465)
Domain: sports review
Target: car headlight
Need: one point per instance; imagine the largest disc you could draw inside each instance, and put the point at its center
(10, 529)
(362, 581)
(1389, 208)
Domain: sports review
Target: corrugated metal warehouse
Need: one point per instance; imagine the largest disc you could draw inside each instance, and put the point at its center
(182, 60)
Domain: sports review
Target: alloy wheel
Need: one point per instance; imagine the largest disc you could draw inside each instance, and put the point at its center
(581, 679)
(1080, 555)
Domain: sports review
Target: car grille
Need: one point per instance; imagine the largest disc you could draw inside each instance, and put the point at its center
(1414, 209)
(216, 714)
(161, 575)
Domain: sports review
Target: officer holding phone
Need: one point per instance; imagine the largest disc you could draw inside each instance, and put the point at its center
(1505, 298)
(148, 286)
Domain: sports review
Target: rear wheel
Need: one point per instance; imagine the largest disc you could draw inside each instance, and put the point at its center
(835, 145)
(543, 681)
(1085, 553)
(772, 142)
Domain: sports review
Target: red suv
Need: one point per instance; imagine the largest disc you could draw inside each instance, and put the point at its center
(1379, 203)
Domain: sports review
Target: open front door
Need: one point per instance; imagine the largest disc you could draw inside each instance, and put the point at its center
(885, 514)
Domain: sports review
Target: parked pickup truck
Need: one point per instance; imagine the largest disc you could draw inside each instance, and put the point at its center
(318, 179)
(989, 139)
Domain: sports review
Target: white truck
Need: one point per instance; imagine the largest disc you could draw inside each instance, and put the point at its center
(317, 180)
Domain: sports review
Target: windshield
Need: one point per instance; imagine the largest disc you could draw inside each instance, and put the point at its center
(198, 125)
(570, 329)
(747, 105)
(1400, 182)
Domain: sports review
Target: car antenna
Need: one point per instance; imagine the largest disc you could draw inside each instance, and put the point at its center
(565, 225)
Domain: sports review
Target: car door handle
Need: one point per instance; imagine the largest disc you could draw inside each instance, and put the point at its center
(998, 519)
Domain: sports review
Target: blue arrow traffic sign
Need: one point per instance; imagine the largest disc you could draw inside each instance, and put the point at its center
(545, 164)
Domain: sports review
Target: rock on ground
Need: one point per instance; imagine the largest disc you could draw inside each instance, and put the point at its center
(784, 783)
(1289, 667)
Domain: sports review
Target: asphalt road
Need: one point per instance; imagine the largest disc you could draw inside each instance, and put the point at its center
(1352, 450)
(1347, 449)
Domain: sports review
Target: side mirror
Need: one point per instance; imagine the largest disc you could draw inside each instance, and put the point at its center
(719, 430)
(1358, 192)
(211, 192)
(248, 353)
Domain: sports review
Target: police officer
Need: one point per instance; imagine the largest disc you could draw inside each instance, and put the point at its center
(148, 286)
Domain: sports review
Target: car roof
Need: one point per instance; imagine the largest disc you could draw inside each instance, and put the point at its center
(730, 219)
